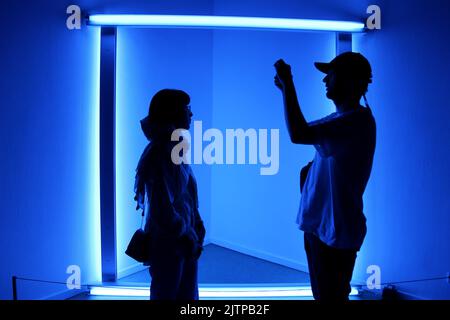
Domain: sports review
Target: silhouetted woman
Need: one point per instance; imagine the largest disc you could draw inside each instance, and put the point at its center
(168, 194)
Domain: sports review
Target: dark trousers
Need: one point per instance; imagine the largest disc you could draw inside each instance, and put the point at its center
(330, 269)
(174, 277)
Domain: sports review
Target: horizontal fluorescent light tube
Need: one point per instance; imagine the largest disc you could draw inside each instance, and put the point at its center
(216, 292)
(147, 20)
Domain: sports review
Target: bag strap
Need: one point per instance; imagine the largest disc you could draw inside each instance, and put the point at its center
(147, 201)
(143, 211)
(142, 218)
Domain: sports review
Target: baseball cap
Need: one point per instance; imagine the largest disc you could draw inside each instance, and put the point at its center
(350, 63)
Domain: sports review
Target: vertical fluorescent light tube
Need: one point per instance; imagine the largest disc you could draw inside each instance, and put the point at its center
(223, 22)
(94, 170)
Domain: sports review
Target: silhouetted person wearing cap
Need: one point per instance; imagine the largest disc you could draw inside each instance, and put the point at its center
(331, 207)
(167, 192)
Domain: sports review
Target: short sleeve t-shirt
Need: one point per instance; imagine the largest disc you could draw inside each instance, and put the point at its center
(331, 206)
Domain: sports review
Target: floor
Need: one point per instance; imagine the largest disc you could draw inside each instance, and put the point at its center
(222, 266)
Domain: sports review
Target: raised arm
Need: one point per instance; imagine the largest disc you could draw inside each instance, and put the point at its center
(296, 124)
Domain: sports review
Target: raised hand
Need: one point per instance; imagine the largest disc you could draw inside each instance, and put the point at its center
(283, 74)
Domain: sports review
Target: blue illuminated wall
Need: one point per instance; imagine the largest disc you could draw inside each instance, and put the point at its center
(256, 213)
(407, 201)
(49, 140)
(149, 60)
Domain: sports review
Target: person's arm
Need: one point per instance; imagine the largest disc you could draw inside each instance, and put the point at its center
(199, 227)
(162, 210)
(322, 134)
(170, 222)
(296, 124)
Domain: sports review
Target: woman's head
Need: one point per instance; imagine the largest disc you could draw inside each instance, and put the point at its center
(169, 109)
